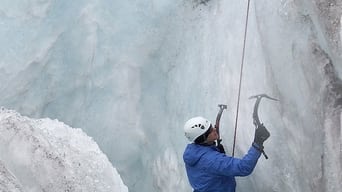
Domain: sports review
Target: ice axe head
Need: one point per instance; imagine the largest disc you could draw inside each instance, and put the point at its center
(258, 97)
(222, 106)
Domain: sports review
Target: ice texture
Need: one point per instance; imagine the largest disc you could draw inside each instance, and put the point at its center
(130, 73)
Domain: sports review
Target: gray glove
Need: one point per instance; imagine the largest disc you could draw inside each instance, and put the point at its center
(261, 135)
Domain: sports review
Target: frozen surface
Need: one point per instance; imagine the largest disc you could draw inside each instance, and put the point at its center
(130, 73)
(47, 155)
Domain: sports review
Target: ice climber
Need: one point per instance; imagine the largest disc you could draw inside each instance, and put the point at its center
(208, 168)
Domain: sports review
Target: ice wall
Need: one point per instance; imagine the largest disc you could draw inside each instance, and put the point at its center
(130, 73)
(47, 155)
(290, 46)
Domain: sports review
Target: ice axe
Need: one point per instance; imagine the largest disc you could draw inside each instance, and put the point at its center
(217, 123)
(256, 120)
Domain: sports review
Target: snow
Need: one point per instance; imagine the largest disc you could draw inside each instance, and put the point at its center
(47, 155)
(130, 73)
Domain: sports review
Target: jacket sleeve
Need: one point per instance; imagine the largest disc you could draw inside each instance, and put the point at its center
(221, 164)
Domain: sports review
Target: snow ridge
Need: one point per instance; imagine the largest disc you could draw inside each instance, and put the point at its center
(47, 155)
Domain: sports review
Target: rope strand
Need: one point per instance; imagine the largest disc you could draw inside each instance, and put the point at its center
(241, 70)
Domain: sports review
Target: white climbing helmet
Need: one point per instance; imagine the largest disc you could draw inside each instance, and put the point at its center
(195, 127)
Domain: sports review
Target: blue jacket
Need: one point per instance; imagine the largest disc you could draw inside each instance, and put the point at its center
(211, 171)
